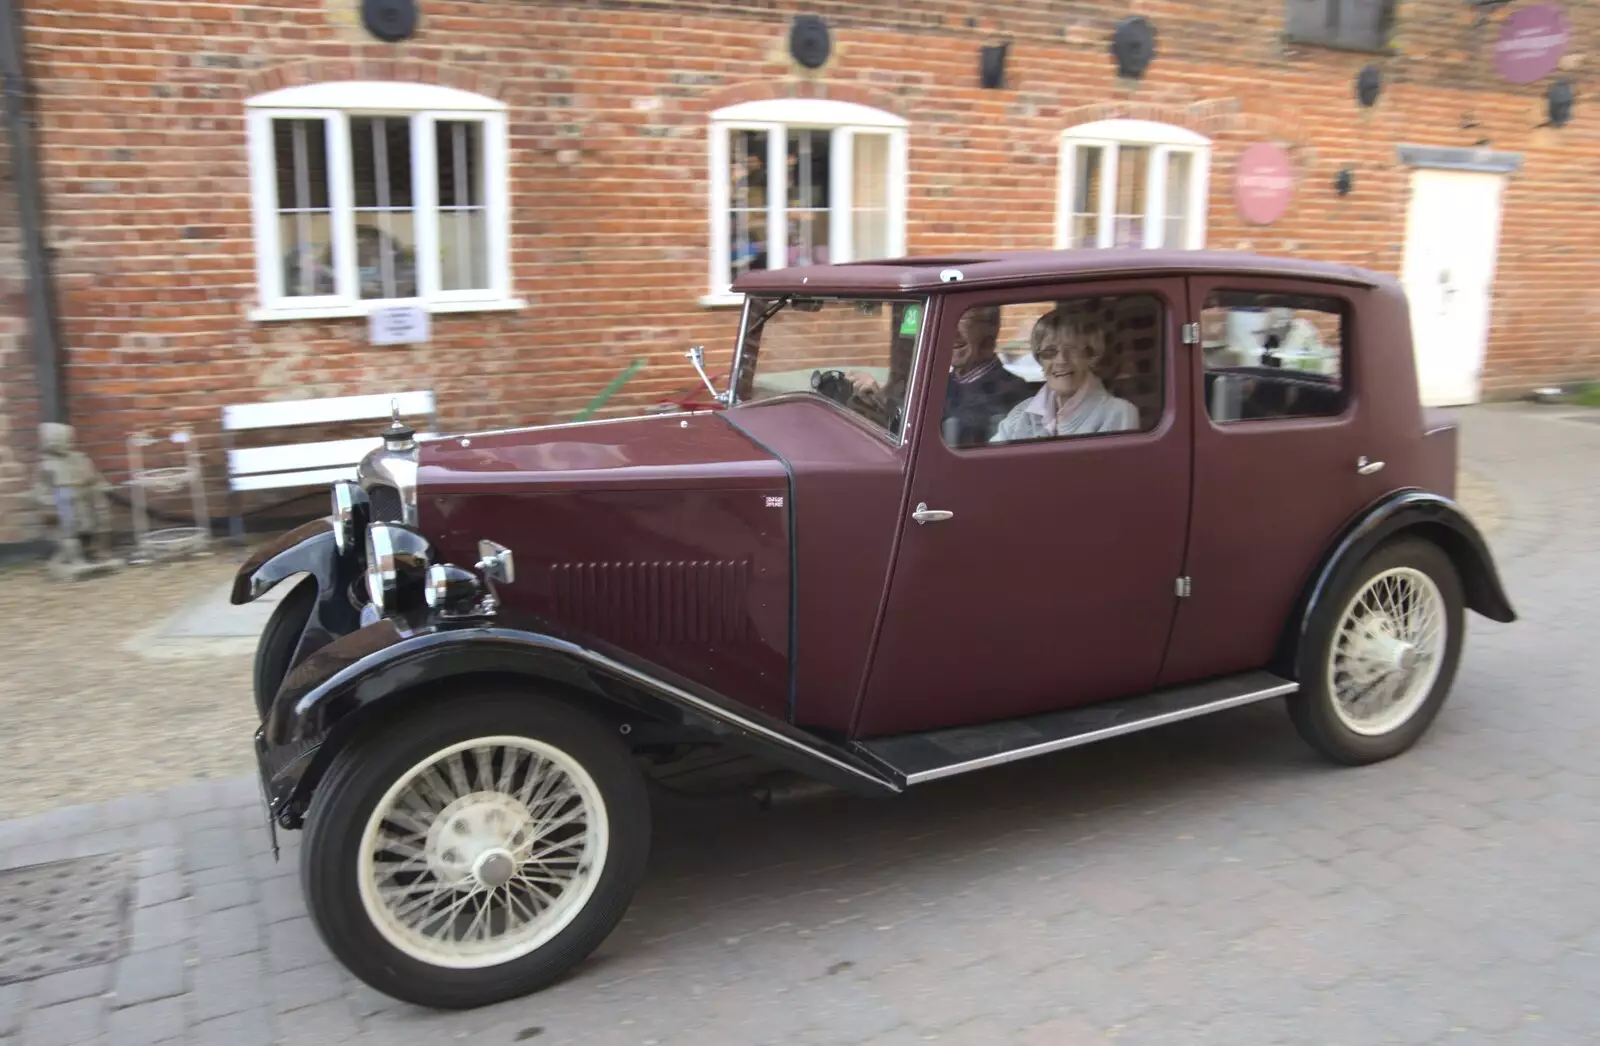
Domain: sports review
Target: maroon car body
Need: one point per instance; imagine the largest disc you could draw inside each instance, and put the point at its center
(859, 598)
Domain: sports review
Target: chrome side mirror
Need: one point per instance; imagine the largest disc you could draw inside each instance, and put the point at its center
(496, 562)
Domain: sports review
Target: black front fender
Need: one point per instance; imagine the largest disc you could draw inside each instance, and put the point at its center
(307, 549)
(336, 690)
(1433, 516)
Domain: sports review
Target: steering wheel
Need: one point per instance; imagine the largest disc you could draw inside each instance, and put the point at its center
(834, 385)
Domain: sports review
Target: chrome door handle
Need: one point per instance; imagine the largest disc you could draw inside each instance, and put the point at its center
(1367, 468)
(924, 514)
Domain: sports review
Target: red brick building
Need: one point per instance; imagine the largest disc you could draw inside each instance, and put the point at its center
(568, 185)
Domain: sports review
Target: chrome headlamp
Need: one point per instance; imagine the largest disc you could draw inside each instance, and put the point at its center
(397, 567)
(351, 513)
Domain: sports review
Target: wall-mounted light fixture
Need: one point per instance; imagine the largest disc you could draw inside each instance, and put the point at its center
(1133, 44)
(809, 42)
(389, 20)
(1558, 100)
(1344, 181)
(992, 65)
(1369, 84)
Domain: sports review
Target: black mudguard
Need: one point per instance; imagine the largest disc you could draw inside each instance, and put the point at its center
(307, 549)
(336, 690)
(1433, 516)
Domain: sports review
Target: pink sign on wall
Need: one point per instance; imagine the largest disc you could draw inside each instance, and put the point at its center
(1263, 183)
(1531, 43)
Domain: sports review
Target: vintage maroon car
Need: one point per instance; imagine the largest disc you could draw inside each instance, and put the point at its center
(953, 512)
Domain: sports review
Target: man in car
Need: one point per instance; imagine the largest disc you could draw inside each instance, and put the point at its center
(980, 391)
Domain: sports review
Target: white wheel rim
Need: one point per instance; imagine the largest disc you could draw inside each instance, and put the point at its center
(482, 852)
(1388, 651)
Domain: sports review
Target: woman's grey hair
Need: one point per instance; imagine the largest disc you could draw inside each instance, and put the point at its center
(1078, 322)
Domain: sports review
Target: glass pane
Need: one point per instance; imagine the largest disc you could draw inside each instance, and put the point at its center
(858, 354)
(306, 241)
(1179, 170)
(808, 238)
(747, 200)
(386, 261)
(808, 169)
(869, 227)
(1086, 196)
(458, 145)
(464, 249)
(463, 207)
(1272, 356)
(300, 157)
(380, 148)
(1133, 171)
(380, 152)
(300, 149)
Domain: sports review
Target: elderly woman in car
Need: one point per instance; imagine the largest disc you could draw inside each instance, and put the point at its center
(1068, 342)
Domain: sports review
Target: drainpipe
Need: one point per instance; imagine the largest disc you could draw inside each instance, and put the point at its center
(42, 326)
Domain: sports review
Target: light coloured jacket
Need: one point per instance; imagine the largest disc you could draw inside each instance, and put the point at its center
(1092, 410)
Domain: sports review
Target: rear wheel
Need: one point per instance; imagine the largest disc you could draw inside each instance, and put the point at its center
(1382, 655)
(473, 852)
(278, 640)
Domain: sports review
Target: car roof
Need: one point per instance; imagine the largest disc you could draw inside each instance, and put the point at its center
(1002, 268)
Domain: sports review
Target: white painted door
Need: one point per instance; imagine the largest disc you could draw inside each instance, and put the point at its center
(1452, 239)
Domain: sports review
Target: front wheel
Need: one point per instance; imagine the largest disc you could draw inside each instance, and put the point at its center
(475, 851)
(1382, 655)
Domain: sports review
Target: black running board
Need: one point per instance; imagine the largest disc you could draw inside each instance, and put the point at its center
(917, 758)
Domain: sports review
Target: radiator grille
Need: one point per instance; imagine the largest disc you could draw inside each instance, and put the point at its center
(386, 506)
(657, 603)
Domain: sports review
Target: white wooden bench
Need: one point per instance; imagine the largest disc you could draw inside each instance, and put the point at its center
(308, 464)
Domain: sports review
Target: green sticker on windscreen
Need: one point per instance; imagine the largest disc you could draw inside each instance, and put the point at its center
(910, 321)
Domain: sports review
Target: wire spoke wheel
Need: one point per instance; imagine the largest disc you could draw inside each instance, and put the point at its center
(483, 852)
(1388, 650)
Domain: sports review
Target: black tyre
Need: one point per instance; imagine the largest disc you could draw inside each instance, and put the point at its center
(278, 640)
(1381, 655)
(476, 848)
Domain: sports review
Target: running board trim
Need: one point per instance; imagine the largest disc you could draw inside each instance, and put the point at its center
(918, 758)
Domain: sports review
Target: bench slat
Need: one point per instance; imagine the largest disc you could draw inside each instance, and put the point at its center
(324, 410)
(277, 480)
(290, 456)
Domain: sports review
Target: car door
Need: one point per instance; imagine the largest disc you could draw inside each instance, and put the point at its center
(1044, 577)
(1279, 432)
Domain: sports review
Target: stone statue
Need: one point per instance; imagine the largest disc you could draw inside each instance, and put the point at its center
(72, 491)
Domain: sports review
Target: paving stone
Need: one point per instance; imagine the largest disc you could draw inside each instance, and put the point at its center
(155, 974)
(149, 1023)
(11, 1008)
(229, 986)
(82, 983)
(220, 896)
(242, 1028)
(163, 888)
(65, 1024)
(306, 986)
(292, 944)
(231, 932)
(327, 1023)
(161, 925)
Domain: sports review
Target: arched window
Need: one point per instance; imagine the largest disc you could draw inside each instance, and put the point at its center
(1132, 183)
(798, 181)
(368, 193)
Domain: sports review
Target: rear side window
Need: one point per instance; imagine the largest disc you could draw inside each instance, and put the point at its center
(1273, 356)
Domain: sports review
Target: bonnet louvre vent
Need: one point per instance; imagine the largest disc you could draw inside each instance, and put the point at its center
(664, 603)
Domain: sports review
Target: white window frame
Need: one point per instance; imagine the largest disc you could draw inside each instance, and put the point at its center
(844, 120)
(335, 103)
(1164, 140)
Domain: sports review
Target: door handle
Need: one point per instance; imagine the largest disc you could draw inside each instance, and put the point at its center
(1367, 468)
(924, 514)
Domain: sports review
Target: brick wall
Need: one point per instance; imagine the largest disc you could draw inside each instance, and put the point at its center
(142, 134)
(18, 390)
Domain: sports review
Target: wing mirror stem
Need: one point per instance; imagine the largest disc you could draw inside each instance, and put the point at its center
(697, 356)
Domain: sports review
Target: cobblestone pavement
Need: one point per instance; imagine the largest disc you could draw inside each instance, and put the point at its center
(1211, 882)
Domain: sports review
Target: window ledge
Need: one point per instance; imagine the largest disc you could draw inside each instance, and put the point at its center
(333, 312)
(717, 301)
(1333, 44)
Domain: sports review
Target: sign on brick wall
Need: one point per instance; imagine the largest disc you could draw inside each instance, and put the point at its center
(1263, 183)
(1531, 43)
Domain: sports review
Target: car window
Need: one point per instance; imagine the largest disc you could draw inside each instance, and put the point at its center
(856, 352)
(1058, 369)
(1273, 356)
